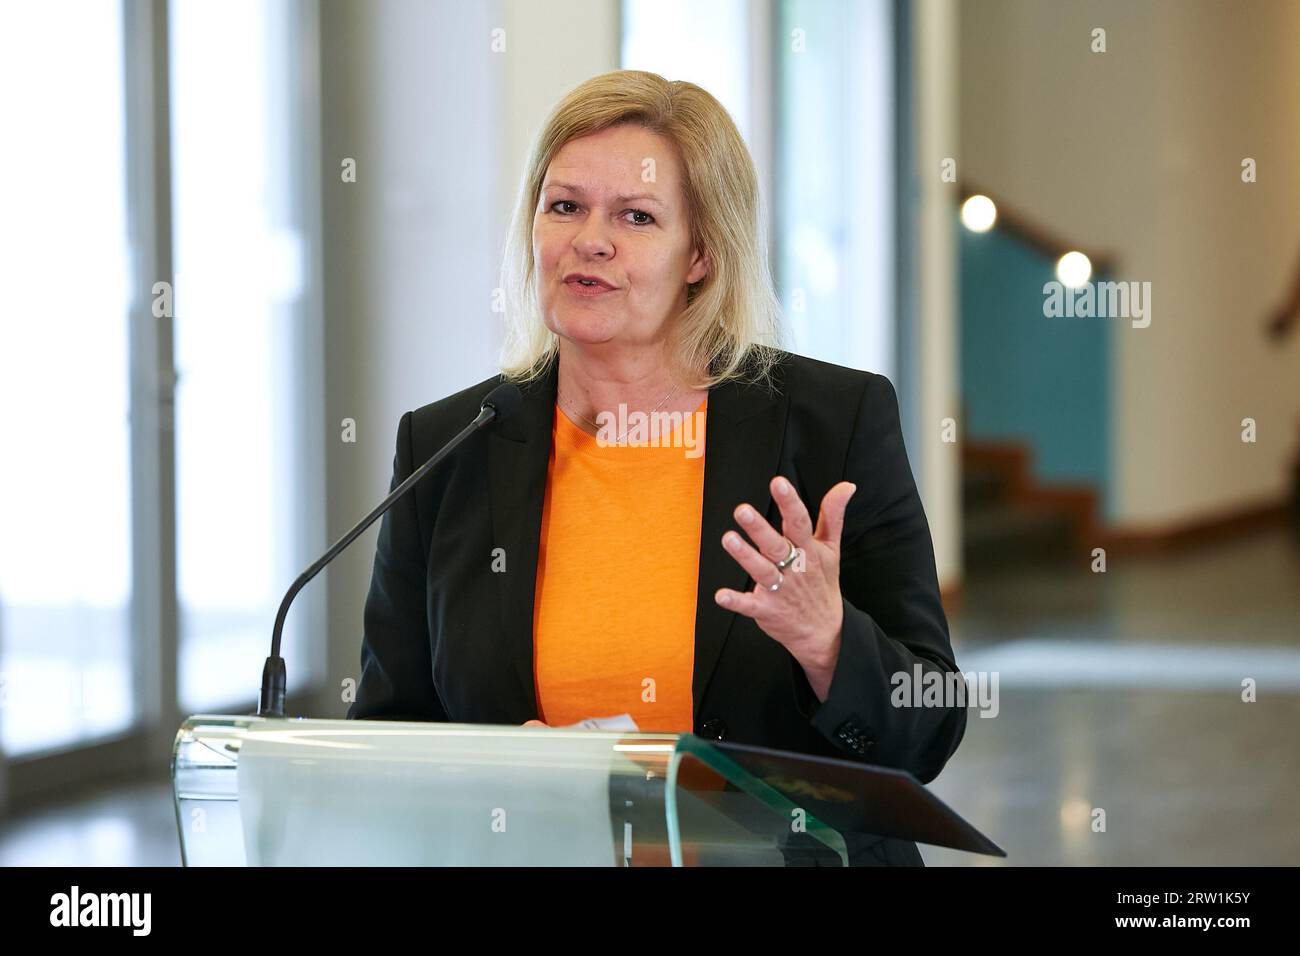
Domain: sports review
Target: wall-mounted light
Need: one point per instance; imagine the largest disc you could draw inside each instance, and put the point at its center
(1073, 269)
(978, 214)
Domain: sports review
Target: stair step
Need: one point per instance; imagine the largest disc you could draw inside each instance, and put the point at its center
(1006, 532)
(982, 485)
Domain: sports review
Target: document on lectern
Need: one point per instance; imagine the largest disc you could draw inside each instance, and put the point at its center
(621, 722)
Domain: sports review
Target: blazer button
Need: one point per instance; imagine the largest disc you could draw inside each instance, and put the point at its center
(853, 737)
(714, 729)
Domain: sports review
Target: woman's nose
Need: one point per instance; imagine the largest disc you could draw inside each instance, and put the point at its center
(593, 239)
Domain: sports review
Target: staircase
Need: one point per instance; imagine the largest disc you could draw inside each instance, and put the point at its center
(1009, 522)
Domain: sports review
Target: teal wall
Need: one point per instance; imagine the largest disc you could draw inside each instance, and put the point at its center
(1028, 379)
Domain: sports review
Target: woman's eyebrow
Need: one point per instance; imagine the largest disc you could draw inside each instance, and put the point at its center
(638, 197)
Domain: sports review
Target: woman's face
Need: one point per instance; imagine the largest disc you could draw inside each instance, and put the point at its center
(613, 208)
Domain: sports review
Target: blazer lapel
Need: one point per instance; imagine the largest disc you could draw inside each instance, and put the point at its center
(743, 437)
(519, 450)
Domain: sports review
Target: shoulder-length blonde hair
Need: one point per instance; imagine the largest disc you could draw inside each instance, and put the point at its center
(731, 327)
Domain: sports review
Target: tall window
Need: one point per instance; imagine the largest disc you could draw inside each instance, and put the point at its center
(810, 85)
(835, 179)
(704, 43)
(65, 493)
(78, 114)
(239, 259)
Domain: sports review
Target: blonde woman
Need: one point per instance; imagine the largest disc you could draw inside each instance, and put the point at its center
(593, 554)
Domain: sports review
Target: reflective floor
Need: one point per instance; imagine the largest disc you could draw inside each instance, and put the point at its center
(1121, 736)
(128, 825)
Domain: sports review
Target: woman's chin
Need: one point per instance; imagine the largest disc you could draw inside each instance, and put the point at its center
(586, 329)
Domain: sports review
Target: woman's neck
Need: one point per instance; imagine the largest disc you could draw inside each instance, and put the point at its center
(588, 387)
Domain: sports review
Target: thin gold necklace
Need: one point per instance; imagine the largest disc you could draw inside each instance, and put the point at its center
(619, 440)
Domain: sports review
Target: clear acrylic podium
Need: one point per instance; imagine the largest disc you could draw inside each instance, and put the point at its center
(253, 791)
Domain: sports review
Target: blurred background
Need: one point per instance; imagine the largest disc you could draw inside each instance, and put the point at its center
(239, 239)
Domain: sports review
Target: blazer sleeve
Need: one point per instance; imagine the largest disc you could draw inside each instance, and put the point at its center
(893, 619)
(396, 663)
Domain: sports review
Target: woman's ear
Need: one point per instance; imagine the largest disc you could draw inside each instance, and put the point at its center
(700, 268)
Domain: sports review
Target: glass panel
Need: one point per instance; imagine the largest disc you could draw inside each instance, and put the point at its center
(842, 804)
(680, 40)
(263, 792)
(835, 188)
(239, 283)
(367, 792)
(65, 505)
(206, 790)
(371, 792)
(719, 814)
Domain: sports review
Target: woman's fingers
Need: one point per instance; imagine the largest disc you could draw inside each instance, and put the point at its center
(760, 568)
(769, 542)
(745, 603)
(830, 520)
(794, 514)
(796, 526)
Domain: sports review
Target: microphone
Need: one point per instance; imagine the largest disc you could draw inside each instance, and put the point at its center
(499, 403)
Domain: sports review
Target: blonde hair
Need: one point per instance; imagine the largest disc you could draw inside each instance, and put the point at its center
(731, 327)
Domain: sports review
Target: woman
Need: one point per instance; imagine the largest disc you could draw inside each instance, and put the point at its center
(578, 559)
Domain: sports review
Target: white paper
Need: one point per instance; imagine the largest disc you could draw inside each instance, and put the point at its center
(621, 722)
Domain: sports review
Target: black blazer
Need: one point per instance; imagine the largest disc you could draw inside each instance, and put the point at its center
(447, 639)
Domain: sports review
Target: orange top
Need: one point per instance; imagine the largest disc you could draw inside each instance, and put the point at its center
(617, 573)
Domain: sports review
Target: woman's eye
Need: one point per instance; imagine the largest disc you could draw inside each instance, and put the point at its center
(568, 212)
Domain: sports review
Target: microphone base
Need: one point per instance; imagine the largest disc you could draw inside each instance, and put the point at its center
(271, 701)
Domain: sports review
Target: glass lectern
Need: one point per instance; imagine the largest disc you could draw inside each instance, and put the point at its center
(254, 791)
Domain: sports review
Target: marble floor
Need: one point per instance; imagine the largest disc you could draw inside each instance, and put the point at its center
(1120, 736)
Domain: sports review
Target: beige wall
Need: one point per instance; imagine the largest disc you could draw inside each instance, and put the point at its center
(1136, 152)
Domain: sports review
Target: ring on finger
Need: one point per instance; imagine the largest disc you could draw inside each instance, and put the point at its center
(789, 558)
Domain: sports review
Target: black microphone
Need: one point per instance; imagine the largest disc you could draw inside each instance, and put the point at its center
(499, 403)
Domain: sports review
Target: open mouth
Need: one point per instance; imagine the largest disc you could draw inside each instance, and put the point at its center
(587, 287)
